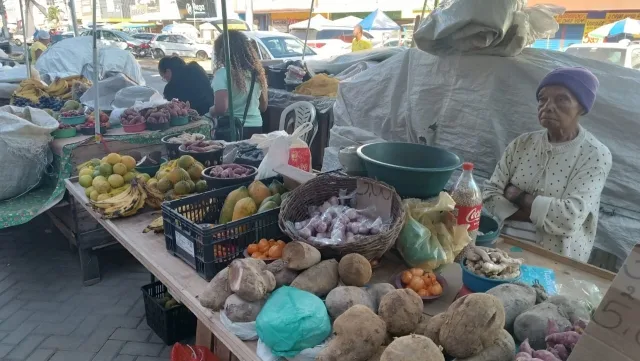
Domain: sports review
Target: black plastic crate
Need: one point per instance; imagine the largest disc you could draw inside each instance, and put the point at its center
(171, 325)
(191, 232)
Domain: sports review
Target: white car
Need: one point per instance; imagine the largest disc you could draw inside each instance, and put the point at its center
(622, 54)
(178, 44)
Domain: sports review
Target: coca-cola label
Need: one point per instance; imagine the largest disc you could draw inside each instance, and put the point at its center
(469, 215)
(300, 158)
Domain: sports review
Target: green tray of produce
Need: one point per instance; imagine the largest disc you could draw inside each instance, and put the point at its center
(75, 120)
(175, 121)
(64, 133)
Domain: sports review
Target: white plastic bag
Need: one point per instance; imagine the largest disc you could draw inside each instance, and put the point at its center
(277, 150)
(155, 100)
(264, 352)
(108, 89)
(246, 331)
(129, 96)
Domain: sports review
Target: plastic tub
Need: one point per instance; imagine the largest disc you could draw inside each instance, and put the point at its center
(158, 126)
(64, 133)
(215, 183)
(172, 148)
(489, 226)
(79, 119)
(92, 130)
(135, 128)
(477, 283)
(151, 170)
(176, 121)
(414, 170)
(208, 159)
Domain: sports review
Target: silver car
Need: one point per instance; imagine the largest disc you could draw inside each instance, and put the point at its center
(180, 45)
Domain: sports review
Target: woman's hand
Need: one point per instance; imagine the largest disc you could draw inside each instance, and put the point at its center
(511, 192)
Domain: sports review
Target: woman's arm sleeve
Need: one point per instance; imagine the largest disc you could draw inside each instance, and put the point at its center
(493, 194)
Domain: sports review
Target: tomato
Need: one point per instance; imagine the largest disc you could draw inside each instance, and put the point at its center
(423, 293)
(263, 246)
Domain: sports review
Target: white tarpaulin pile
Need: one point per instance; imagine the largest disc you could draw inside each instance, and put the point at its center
(475, 105)
(70, 56)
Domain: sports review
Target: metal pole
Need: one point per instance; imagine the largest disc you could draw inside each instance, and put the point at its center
(74, 20)
(193, 13)
(424, 8)
(227, 65)
(306, 35)
(96, 74)
(27, 61)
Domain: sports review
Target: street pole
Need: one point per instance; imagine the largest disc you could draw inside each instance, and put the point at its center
(193, 13)
(248, 12)
(306, 35)
(96, 75)
(24, 36)
(227, 65)
(74, 20)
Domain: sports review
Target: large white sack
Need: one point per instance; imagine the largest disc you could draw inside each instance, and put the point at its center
(69, 57)
(475, 105)
(24, 148)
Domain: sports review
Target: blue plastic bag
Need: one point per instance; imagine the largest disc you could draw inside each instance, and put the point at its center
(292, 320)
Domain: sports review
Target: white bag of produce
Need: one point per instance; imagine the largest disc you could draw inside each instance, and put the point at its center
(264, 352)
(24, 148)
(246, 331)
(285, 149)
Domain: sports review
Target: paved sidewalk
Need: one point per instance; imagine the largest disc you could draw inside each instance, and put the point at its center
(47, 315)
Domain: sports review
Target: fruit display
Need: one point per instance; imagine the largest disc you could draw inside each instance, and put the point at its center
(30, 90)
(202, 146)
(156, 226)
(247, 201)
(168, 301)
(35, 93)
(106, 177)
(54, 104)
(156, 115)
(230, 171)
(185, 138)
(124, 204)
(131, 117)
(104, 118)
(179, 177)
(266, 249)
(424, 283)
(70, 113)
(178, 108)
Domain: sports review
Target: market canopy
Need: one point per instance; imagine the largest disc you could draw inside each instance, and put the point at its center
(625, 26)
(378, 20)
(349, 21)
(318, 22)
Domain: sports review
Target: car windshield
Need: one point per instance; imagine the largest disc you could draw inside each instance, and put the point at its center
(283, 47)
(144, 36)
(611, 55)
(123, 35)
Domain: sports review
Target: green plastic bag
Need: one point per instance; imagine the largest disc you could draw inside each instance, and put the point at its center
(292, 320)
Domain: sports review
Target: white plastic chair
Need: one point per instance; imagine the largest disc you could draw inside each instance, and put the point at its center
(303, 112)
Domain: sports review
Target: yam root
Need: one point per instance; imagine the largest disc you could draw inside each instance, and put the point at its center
(341, 299)
(239, 310)
(471, 324)
(250, 280)
(300, 256)
(502, 349)
(532, 324)
(431, 327)
(319, 279)
(544, 355)
(284, 276)
(377, 291)
(412, 348)
(569, 339)
(491, 262)
(516, 298)
(359, 333)
(217, 291)
(401, 310)
(354, 270)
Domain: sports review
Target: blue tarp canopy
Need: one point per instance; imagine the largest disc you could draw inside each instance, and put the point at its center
(378, 20)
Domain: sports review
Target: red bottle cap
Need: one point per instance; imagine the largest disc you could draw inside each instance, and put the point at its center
(467, 166)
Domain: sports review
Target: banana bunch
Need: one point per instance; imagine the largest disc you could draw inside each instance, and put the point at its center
(77, 78)
(169, 166)
(95, 162)
(59, 88)
(31, 89)
(157, 226)
(125, 204)
(154, 196)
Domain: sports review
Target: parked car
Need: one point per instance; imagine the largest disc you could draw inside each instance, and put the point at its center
(144, 36)
(178, 44)
(623, 54)
(18, 39)
(5, 44)
(59, 37)
(120, 39)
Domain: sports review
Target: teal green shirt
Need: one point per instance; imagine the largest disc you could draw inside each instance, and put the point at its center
(254, 119)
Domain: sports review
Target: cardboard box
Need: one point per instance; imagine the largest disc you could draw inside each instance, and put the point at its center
(614, 331)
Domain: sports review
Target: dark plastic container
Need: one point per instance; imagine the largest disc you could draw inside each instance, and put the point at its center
(200, 243)
(414, 170)
(490, 229)
(151, 170)
(208, 159)
(215, 183)
(171, 325)
(158, 126)
(92, 130)
(172, 148)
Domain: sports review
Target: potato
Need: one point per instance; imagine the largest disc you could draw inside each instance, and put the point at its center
(359, 333)
(516, 298)
(239, 310)
(300, 256)
(250, 280)
(503, 348)
(378, 354)
(471, 324)
(284, 276)
(430, 327)
(319, 279)
(341, 299)
(532, 324)
(401, 310)
(377, 291)
(217, 291)
(354, 270)
(412, 348)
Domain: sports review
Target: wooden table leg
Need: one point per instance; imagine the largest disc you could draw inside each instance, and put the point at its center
(89, 266)
(205, 338)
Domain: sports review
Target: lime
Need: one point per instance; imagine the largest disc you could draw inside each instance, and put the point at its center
(116, 180)
(85, 171)
(87, 191)
(85, 180)
(106, 169)
(94, 195)
(129, 176)
(120, 168)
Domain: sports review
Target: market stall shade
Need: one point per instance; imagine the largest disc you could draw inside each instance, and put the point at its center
(349, 21)
(378, 20)
(625, 26)
(317, 22)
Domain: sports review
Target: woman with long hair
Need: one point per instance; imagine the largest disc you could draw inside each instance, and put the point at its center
(186, 82)
(246, 70)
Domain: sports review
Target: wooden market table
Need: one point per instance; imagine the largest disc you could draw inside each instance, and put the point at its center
(185, 285)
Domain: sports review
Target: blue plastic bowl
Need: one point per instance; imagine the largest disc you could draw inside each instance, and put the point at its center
(479, 283)
(490, 229)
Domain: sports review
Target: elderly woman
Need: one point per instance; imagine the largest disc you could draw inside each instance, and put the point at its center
(547, 185)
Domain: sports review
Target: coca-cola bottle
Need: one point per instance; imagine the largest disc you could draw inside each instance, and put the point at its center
(468, 200)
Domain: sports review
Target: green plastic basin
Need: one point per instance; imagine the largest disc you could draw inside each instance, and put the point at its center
(414, 170)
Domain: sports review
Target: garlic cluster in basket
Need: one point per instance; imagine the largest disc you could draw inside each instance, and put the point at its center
(335, 222)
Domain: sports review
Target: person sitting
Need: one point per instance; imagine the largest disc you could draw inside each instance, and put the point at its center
(39, 46)
(186, 82)
(246, 72)
(547, 185)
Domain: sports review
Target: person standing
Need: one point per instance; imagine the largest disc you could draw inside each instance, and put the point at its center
(186, 82)
(39, 46)
(359, 43)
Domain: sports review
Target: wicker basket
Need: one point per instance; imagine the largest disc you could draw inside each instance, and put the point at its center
(295, 208)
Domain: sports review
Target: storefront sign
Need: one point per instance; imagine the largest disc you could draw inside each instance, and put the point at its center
(572, 18)
(141, 7)
(611, 17)
(591, 25)
(190, 9)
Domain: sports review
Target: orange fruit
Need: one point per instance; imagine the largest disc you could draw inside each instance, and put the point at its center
(257, 255)
(406, 277)
(275, 251)
(435, 289)
(263, 245)
(252, 249)
(281, 242)
(423, 293)
(417, 271)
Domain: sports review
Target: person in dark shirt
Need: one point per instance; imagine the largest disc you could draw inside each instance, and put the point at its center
(186, 82)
